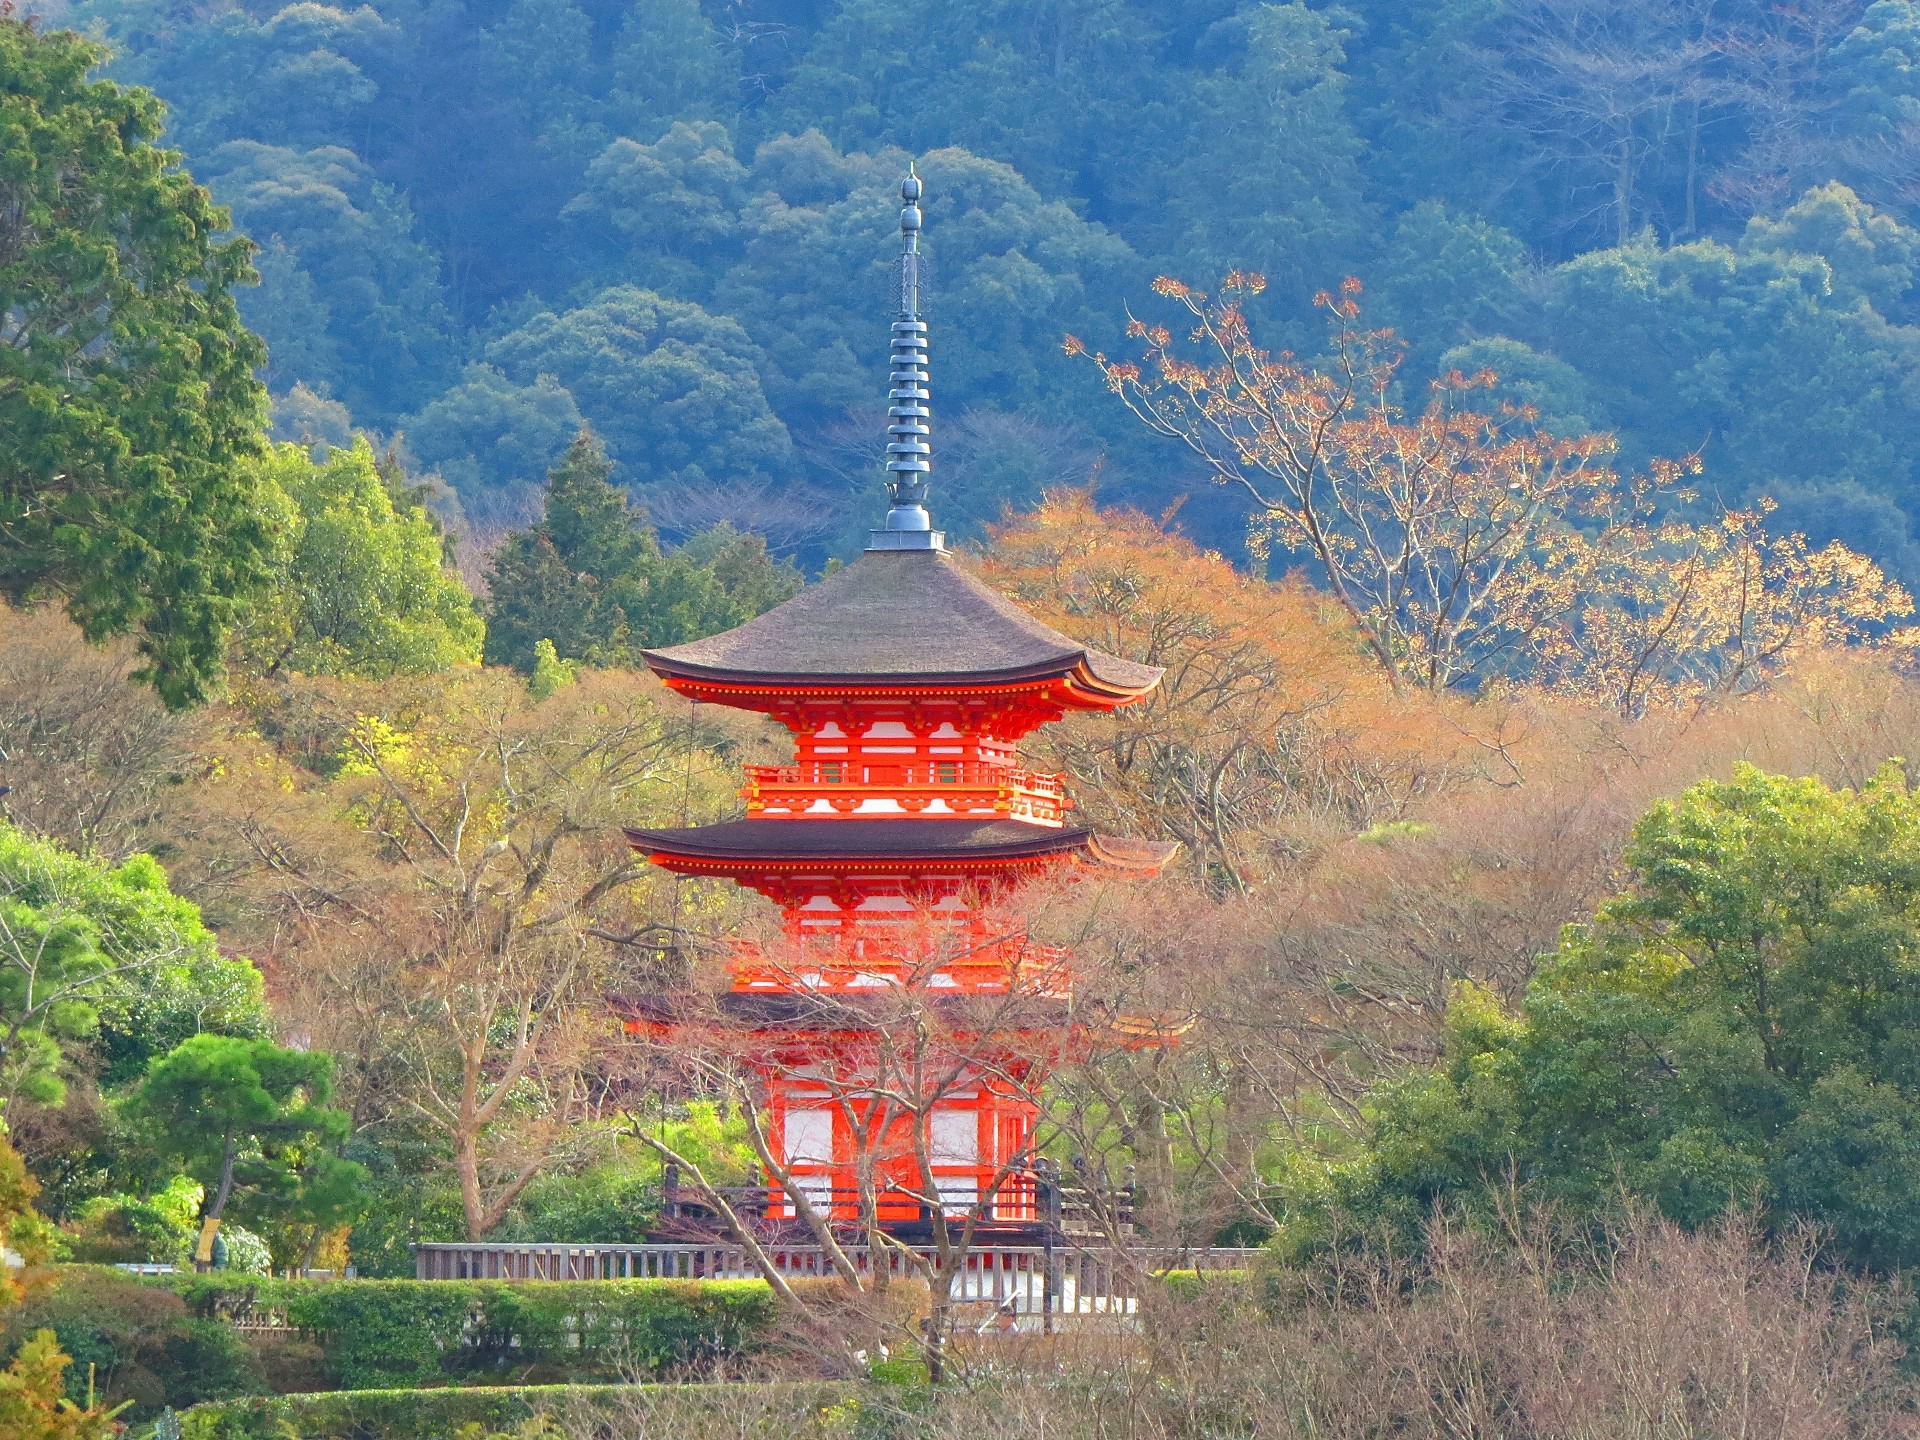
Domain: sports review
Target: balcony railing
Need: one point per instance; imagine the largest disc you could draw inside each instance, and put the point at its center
(826, 961)
(923, 786)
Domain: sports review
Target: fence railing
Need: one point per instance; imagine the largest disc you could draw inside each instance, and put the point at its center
(1010, 1283)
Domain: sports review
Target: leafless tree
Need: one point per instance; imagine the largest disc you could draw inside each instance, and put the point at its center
(86, 754)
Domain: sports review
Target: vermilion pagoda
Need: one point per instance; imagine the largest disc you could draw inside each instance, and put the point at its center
(894, 838)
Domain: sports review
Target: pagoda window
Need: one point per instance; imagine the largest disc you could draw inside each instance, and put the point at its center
(830, 772)
(947, 772)
(953, 1137)
(958, 1194)
(819, 1192)
(809, 1137)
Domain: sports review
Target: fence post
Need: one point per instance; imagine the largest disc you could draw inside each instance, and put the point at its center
(1047, 1180)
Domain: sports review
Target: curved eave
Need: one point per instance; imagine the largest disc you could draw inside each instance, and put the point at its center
(1145, 857)
(1072, 682)
(703, 850)
(839, 1013)
(688, 852)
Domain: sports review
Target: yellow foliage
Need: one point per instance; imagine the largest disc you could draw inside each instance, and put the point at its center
(1271, 721)
(33, 1403)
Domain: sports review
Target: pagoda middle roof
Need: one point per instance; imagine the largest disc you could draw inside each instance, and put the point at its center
(849, 839)
(896, 616)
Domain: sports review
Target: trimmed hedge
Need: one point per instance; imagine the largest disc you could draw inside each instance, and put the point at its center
(133, 1342)
(382, 1334)
(445, 1414)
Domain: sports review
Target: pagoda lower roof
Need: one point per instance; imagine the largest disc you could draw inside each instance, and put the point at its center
(900, 618)
(809, 1012)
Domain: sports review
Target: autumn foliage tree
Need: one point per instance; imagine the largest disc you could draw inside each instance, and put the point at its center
(33, 1401)
(1363, 850)
(1269, 726)
(447, 890)
(1465, 543)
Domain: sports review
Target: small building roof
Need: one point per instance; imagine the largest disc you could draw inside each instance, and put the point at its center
(894, 616)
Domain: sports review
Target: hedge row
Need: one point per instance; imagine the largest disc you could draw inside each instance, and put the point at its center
(680, 1410)
(380, 1334)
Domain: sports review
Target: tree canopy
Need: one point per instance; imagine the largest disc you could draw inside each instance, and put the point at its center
(1682, 224)
(1735, 1028)
(102, 968)
(128, 412)
(361, 585)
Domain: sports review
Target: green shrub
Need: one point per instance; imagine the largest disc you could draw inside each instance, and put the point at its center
(139, 1342)
(1192, 1284)
(445, 1414)
(114, 1228)
(385, 1333)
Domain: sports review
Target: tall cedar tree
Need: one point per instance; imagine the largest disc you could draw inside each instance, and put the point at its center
(128, 407)
(592, 576)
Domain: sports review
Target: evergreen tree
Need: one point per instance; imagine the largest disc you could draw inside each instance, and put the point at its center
(250, 1121)
(593, 579)
(1737, 1026)
(128, 407)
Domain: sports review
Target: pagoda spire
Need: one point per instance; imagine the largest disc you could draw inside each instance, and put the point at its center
(909, 416)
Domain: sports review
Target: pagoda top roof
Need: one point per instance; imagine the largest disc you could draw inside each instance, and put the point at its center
(887, 840)
(894, 616)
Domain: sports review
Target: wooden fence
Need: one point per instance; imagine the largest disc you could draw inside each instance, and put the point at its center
(1012, 1283)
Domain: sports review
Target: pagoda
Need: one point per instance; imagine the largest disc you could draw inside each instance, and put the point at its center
(893, 840)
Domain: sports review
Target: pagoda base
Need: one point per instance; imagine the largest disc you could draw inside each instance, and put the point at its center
(1056, 1213)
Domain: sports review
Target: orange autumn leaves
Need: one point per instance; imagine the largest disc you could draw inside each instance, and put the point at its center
(1469, 548)
(1271, 723)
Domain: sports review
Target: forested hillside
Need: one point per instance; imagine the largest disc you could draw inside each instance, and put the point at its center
(483, 222)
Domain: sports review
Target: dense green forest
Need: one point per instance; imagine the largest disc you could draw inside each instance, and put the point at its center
(482, 222)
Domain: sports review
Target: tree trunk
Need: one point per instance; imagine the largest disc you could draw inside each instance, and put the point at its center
(211, 1213)
(1623, 189)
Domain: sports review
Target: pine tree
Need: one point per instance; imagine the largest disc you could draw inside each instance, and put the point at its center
(593, 578)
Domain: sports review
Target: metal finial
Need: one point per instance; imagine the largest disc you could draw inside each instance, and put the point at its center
(909, 432)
